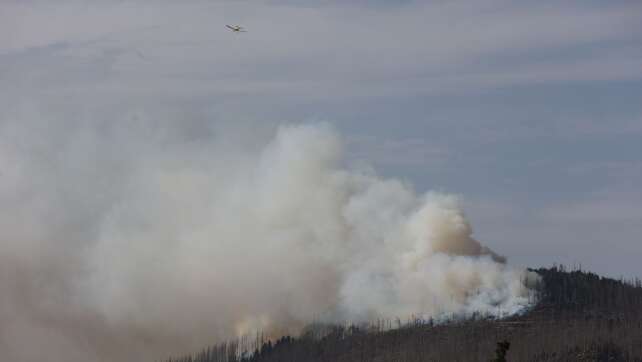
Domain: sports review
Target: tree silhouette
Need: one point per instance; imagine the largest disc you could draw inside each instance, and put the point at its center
(500, 351)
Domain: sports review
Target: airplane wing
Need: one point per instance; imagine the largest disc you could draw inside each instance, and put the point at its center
(238, 29)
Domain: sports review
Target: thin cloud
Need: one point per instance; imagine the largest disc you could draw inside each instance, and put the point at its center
(321, 52)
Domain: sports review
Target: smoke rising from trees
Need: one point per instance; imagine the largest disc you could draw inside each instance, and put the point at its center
(135, 240)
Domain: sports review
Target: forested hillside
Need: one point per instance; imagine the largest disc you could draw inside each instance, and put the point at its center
(580, 316)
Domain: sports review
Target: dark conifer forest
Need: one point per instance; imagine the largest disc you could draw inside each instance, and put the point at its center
(579, 316)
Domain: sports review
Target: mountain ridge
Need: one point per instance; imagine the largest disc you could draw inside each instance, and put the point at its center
(579, 316)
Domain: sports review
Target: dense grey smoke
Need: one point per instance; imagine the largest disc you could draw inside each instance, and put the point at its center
(121, 241)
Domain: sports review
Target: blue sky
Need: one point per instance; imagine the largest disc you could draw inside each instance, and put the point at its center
(532, 111)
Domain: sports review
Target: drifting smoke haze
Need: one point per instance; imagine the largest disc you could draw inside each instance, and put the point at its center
(143, 239)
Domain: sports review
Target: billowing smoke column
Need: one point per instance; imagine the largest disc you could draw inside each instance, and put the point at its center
(140, 241)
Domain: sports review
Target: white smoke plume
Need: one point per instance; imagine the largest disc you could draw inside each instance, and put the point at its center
(148, 239)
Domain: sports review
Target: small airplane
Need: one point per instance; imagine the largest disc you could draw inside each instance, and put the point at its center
(236, 29)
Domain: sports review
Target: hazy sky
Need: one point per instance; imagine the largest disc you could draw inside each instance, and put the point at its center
(532, 111)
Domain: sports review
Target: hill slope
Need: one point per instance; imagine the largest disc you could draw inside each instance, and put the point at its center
(580, 317)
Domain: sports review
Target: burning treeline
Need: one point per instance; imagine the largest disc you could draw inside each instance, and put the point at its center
(147, 240)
